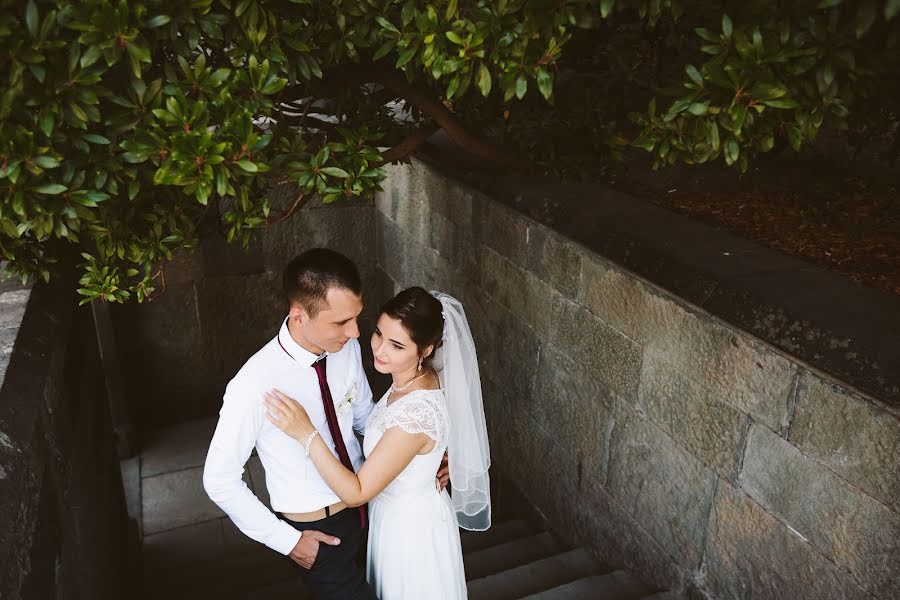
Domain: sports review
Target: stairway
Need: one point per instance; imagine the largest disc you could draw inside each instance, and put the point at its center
(508, 562)
(191, 551)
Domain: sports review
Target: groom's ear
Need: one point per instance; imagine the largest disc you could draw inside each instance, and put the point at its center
(296, 313)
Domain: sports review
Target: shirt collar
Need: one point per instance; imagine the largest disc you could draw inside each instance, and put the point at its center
(294, 350)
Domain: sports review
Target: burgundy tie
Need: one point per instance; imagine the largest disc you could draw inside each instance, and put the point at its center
(334, 427)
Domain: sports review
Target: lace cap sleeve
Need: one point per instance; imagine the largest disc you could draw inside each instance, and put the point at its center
(421, 413)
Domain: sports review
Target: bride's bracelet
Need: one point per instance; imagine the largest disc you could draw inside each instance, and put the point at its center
(310, 439)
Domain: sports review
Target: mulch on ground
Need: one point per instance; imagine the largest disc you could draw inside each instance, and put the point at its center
(824, 211)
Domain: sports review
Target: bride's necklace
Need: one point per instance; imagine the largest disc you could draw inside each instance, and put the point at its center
(400, 388)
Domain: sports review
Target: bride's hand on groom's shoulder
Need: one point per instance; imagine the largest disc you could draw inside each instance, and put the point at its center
(286, 413)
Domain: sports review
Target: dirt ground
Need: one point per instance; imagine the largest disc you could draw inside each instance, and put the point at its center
(836, 213)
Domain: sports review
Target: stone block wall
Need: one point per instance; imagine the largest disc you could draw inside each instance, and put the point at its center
(222, 304)
(658, 435)
(64, 529)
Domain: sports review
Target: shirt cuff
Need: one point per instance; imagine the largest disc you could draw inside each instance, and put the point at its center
(284, 538)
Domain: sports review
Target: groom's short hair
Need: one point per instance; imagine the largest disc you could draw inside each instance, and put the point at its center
(309, 276)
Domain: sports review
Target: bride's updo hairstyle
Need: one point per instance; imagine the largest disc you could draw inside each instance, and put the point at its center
(420, 313)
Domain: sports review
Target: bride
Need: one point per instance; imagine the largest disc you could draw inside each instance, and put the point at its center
(423, 341)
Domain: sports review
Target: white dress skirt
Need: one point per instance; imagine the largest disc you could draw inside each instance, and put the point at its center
(414, 551)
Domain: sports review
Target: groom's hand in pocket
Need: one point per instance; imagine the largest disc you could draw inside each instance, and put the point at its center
(307, 548)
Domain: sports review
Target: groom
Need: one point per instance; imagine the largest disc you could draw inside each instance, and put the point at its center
(315, 358)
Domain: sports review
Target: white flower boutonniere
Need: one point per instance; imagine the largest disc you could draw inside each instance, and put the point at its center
(346, 405)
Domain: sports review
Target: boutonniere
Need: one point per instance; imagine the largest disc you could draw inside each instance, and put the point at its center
(346, 405)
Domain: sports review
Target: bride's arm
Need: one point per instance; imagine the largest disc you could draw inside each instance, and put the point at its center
(394, 451)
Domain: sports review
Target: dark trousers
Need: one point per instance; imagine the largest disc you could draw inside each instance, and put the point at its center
(337, 573)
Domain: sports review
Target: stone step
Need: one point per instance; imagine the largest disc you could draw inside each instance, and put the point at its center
(511, 554)
(534, 577)
(248, 571)
(618, 585)
(499, 533)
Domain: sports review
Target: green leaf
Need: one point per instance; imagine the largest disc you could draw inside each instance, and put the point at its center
(247, 166)
(698, 109)
(384, 49)
(157, 21)
(521, 87)
(90, 56)
(31, 17)
(732, 151)
(545, 84)
(335, 172)
(46, 122)
(484, 80)
(782, 103)
(51, 189)
(95, 139)
(387, 25)
(46, 162)
(727, 27)
(454, 37)
(406, 56)
(694, 74)
(606, 7)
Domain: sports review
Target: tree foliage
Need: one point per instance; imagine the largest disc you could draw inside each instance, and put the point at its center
(125, 127)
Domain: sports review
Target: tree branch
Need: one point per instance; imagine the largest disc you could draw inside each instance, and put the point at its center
(446, 120)
(416, 139)
(287, 214)
(340, 78)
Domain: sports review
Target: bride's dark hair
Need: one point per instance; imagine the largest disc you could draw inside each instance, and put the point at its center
(420, 313)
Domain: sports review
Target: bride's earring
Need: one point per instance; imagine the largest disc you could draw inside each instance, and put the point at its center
(420, 364)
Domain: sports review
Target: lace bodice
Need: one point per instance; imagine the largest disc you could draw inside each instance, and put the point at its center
(420, 411)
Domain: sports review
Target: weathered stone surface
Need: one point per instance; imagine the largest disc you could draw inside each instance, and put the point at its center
(347, 229)
(176, 499)
(166, 365)
(851, 436)
(575, 409)
(618, 298)
(193, 545)
(858, 533)
(238, 316)
(621, 541)
(504, 230)
(507, 348)
(750, 554)
(12, 307)
(555, 259)
(391, 251)
(176, 447)
(678, 401)
(452, 242)
(526, 296)
(605, 353)
(735, 369)
(661, 485)
(452, 200)
(754, 379)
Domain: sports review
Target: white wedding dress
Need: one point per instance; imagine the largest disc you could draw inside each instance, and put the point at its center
(414, 551)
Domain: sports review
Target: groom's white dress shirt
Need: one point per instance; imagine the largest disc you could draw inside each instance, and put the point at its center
(292, 480)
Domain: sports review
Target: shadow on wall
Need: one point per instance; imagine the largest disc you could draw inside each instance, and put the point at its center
(221, 304)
